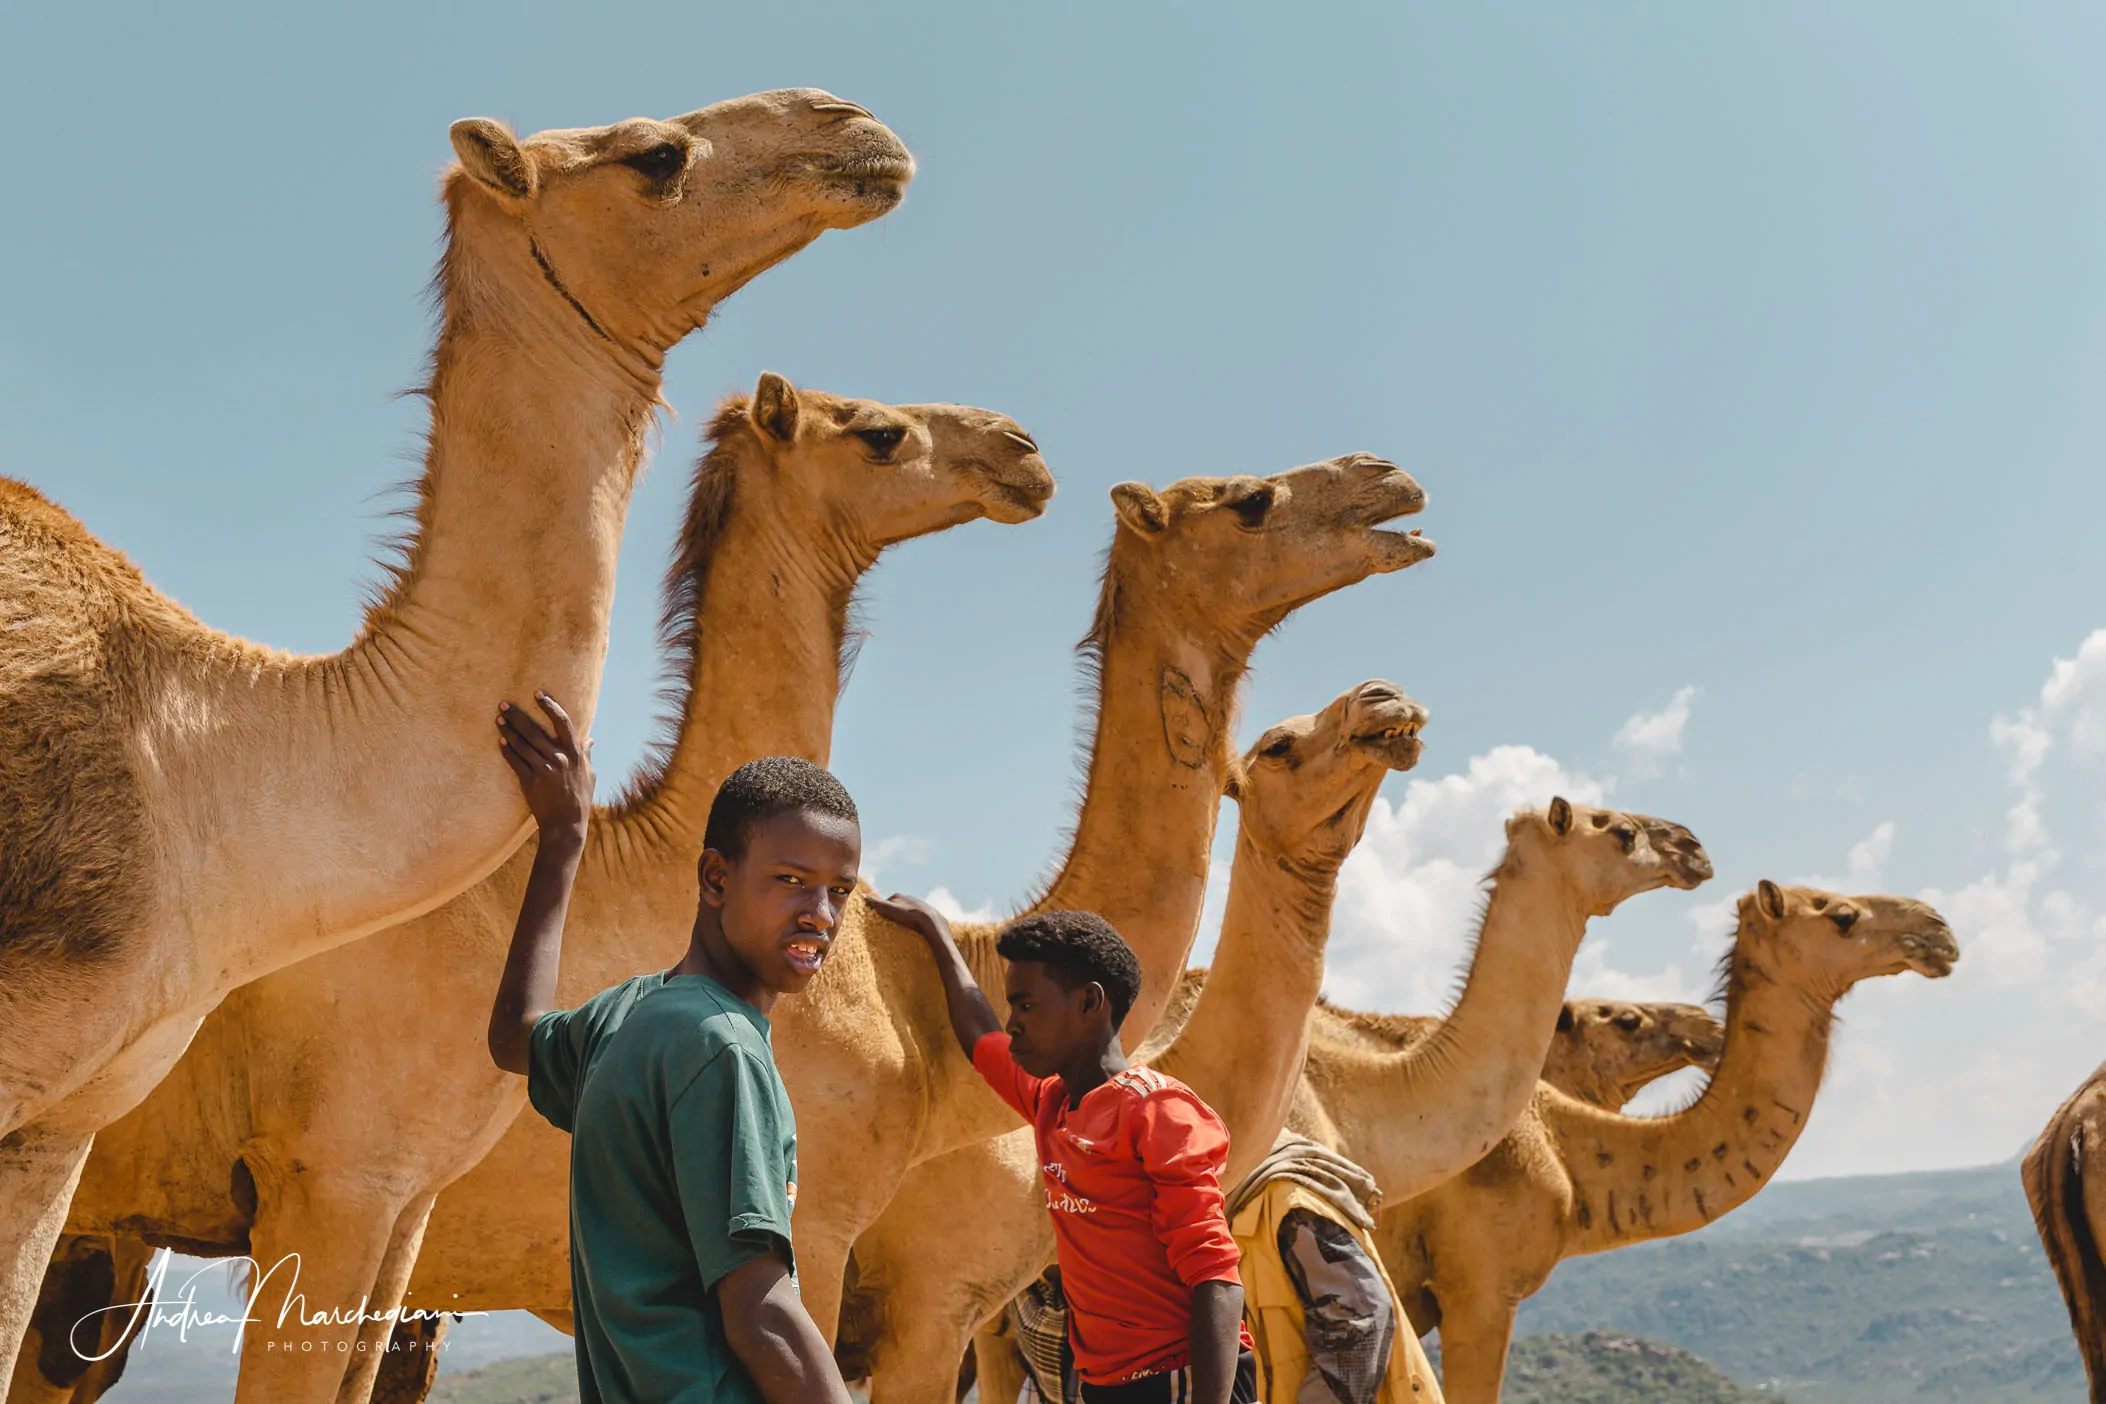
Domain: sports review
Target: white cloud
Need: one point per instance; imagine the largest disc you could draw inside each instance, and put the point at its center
(1408, 897)
(945, 901)
(1650, 739)
(906, 850)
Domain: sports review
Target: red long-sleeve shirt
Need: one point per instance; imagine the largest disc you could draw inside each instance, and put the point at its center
(1133, 1181)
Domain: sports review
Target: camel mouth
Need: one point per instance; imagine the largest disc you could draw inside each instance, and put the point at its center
(1392, 733)
(1688, 865)
(1394, 749)
(871, 179)
(1400, 496)
(1017, 492)
(1931, 954)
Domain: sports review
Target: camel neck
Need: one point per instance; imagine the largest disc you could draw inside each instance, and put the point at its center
(1158, 762)
(1439, 1105)
(1636, 1178)
(761, 620)
(1241, 1048)
(534, 447)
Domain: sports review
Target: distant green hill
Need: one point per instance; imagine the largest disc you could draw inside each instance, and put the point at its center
(1870, 1290)
(1605, 1367)
(540, 1379)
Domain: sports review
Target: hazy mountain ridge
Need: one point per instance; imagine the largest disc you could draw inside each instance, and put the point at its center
(1867, 1290)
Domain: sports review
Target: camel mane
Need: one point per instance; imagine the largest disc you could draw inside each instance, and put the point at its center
(712, 501)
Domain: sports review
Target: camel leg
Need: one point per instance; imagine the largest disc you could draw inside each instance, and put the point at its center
(64, 1361)
(38, 1171)
(318, 1253)
(390, 1286)
(406, 1372)
(1000, 1368)
(819, 1269)
(1474, 1338)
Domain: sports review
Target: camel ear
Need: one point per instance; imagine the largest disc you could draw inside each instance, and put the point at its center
(493, 158)
(1139, 507)
(1233, 787)
(1560, 816)
(775, 407)
(1770, 899)
(1565, 1019)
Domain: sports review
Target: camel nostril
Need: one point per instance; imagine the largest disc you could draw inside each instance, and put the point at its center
(1021, 440)
(845, 109)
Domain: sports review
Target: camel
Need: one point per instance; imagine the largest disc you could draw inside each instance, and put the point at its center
(1567, 861)
(315, 1082)
(1575, 1178)
(1196, 574)
(2069, 1210)
(182, 811)
(1607, 1051)
(1304, 792)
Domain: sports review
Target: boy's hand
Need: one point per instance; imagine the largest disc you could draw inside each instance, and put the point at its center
(554, 772)
(914, 914)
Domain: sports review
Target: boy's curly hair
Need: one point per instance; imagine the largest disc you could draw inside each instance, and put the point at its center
(1078, 948)
(761, 789)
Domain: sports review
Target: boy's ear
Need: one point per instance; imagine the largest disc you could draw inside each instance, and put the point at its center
(1094, 998)
(712, 871)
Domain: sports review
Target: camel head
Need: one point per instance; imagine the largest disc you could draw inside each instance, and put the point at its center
(1305, 789)
(1626, 1045)
(1249, 551)
(642, 227)
(1825, 942)
(1608, 855)
(869, 474)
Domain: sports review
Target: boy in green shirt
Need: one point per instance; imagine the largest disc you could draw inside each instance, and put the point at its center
(683, 1164)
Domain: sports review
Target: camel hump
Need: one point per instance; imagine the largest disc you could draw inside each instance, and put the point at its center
(2054, 1172)
(73, 861)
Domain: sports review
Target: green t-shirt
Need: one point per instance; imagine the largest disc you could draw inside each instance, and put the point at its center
(683, 1166)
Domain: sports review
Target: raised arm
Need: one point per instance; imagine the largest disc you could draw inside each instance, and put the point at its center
(556, 779)
(972, 1017)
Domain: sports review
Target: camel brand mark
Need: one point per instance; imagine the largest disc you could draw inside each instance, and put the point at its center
(1187, 729)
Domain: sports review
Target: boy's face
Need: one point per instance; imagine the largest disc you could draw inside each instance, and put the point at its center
(1050, 1027)
(781, 901)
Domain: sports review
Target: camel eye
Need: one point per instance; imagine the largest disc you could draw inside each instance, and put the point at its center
(1628, 837)
(1843, 917)
(1278, 746)
(661, 162)
(1627, 1021)
(882, 442)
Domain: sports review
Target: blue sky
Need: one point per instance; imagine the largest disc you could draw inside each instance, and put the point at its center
(1749, 350)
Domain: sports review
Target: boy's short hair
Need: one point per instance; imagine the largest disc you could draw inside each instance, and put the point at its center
(761, 789)
(1078, 947)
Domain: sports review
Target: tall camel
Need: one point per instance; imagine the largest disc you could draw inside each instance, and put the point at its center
(1195, 576)
(182, 811)
(1575, 1178)
(316, 1081)
(2068, 1196)
(1605, 1051)
(1304, 792)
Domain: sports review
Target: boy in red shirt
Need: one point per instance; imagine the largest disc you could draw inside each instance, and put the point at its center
(1131, 1161)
